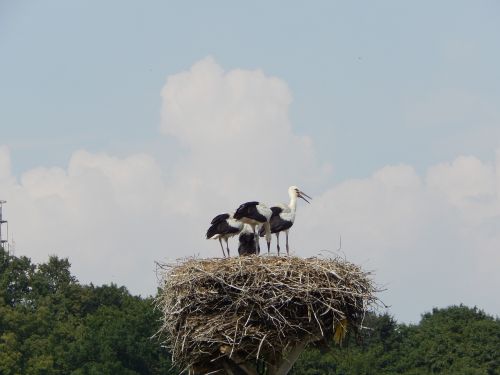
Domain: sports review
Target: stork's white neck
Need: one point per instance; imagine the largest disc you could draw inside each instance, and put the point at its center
(293, 202)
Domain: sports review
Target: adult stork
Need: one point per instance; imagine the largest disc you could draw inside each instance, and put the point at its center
(283, 215)
(223, 227)
(256, 214)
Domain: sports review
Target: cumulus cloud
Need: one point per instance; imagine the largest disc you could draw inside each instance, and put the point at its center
(431, 239)
(115, 216)
(468, 185)
(236, 127)
(102, 212)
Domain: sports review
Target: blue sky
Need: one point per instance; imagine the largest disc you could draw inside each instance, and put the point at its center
(87, 74)
(372, 86)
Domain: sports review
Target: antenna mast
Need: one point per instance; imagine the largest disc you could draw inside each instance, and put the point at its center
(2, 222)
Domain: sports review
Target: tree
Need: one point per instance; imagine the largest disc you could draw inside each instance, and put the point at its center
(50, 324)
(453, 340)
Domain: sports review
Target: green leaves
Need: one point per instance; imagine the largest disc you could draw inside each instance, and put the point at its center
(50, 324)
(9, 354)
(15, 276)
(454, 340)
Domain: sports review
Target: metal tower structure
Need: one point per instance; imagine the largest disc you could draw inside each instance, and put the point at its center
(3, 242)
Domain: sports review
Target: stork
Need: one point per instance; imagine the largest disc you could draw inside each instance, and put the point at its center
(247, 244)
(256, 214)
(284, 215)
(223, 227)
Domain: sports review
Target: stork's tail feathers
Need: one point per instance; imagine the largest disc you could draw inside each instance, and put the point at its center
(212, 231)
(340, 331)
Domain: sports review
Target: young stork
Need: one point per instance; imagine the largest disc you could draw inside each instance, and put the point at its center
(256, 214)
(247, 244)
(284, 215)
(223, 227)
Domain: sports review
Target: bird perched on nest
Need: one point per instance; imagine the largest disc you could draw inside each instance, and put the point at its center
(283, 215)
(256, 214)
(247, 244)
(223, 227)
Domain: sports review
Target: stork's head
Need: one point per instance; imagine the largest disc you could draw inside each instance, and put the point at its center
(294, 191)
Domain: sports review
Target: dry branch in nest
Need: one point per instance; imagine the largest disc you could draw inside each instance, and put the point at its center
(239, 311)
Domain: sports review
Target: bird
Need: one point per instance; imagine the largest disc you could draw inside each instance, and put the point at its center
(283, 215)
(223, 227)
(256, 214)
(247, 244)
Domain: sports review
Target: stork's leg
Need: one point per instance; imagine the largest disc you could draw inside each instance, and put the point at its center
(267, 228)
(287, 249)
(257, 242)
(256, 238)
(227, 247)
(222, 247)
(256, 246)
(278, 242)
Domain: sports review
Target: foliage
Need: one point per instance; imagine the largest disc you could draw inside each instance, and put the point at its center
(50, 324)
(454, 340)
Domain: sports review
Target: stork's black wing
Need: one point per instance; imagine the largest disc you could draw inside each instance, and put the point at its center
(245, 209)
(222, 227)
(275, 218)
(219, 218)
(276, 210)
(278, 224)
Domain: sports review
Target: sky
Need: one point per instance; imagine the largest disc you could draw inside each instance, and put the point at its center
(125, 127)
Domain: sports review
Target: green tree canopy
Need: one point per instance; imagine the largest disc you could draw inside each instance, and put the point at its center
(452, 340)
(50, 324)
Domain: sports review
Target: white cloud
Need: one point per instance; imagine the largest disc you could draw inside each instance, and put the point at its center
(432, 239)
(114, 217)
(236, 127)
(102, 212)
(467, 185)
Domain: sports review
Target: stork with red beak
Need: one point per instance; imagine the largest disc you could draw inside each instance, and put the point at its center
(283, 215)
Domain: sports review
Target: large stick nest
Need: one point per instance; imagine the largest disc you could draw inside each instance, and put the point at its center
(257, 307)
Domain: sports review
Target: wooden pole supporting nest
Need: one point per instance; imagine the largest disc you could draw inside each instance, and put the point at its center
(250, 315)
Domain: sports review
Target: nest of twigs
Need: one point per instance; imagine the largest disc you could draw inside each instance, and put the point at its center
(256, 308)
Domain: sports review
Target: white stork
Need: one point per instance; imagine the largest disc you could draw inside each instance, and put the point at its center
(223, 227)
(284, 215)
(256, 214)
(247, 244)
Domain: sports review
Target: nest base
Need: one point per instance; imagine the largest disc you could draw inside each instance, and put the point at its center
(225, 315)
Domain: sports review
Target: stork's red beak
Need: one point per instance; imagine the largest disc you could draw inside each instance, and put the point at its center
(302, 195)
